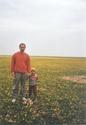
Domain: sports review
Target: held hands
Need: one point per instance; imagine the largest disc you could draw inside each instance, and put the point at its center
(28, 74)
(13, 74)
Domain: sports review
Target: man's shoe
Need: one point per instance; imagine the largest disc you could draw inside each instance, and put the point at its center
(24, 100)
(13, 100)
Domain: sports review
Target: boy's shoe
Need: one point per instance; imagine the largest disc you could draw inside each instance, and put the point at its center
(29, 102)
(13, 100)
(24, 100)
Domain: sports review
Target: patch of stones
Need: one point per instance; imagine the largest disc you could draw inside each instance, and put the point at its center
(77, 79)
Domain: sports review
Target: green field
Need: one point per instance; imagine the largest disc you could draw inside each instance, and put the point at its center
(59, 101)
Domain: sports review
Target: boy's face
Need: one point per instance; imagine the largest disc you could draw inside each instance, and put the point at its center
(33, 72)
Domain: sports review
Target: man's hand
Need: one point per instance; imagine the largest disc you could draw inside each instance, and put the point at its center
(28, 74)
(13, 74)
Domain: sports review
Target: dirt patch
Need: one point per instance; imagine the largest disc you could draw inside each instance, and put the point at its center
(77, 79)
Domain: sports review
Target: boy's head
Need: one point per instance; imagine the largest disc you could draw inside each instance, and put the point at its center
(33, 71)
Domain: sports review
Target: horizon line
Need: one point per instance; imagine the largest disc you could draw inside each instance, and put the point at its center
(53, 56)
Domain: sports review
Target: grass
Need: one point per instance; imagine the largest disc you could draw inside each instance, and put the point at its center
(59, 101)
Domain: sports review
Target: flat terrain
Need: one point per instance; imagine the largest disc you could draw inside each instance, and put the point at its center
(61, 98)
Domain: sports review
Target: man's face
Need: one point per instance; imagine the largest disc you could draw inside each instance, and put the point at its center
(22, 47)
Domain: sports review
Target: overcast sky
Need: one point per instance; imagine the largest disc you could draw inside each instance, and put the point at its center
(48, 27)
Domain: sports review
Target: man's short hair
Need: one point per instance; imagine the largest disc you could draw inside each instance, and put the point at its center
(22, 44)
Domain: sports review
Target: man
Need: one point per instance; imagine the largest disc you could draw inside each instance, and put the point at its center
(20, 68)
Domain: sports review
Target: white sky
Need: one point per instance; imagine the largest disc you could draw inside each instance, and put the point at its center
(48, 27)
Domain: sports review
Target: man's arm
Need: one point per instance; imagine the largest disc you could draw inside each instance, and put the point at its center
(12, 63)
(28, 64)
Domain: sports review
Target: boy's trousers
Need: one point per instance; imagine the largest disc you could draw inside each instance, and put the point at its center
(33, 90)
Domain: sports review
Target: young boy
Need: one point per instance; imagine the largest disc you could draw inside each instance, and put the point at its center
(33, 84)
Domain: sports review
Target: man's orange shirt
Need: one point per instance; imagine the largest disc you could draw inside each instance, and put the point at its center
(20, 63)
